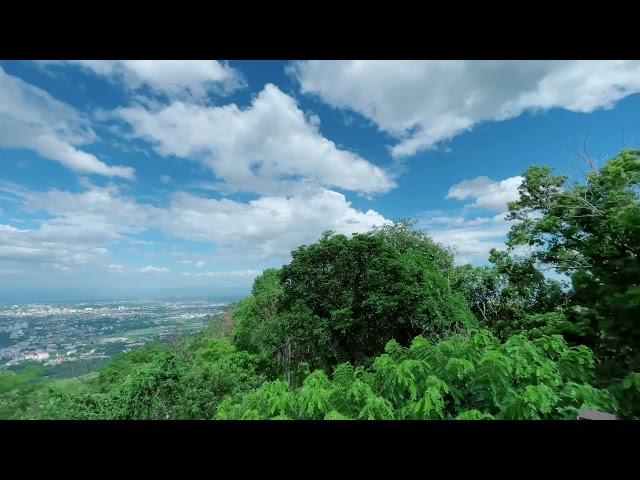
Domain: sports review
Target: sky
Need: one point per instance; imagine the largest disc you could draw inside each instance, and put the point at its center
(198, 174)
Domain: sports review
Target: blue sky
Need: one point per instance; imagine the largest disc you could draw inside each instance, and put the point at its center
(185, 174)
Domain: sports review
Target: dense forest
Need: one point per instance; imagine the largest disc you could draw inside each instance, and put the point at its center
(385, 325)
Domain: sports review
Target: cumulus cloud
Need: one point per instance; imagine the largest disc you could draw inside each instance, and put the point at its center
(80, 226)
(264, 229)
(471, 238)
(47, 246)
(150, 269)
(487, 193)
(267, 148)
(423, 103)
(31, 118)
(174, 78)
(98, 213)
(268, 227)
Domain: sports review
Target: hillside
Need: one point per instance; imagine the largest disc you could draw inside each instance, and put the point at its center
(385, 325)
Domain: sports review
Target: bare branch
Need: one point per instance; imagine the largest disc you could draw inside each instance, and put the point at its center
(588, 159)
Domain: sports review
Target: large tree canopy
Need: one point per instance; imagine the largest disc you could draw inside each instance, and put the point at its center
(342, 298)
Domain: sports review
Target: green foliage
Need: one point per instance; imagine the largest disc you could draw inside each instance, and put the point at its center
(157, 382)
(124, 364)
(590, 232)
(404, 237)
(21, 394)
(146, 390)
(347, 296)
(475, 377)
(473, 415)
(11, 380)
(219, 370)
(627, 393)
(256, 314)
(511, 296)
(342, 298)
(383, 325)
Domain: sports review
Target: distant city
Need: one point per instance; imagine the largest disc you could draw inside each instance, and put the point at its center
(71, 337)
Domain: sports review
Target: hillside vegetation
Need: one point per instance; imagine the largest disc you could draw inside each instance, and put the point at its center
(384, 325)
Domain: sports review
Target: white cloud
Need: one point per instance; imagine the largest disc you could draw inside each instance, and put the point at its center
(31, 118)
(268, 148)
(269, 226)
(175, 78)
(82, 224)
(347, 120)
(249, 273)
(471, 238)
(115, 267)
(99, 213)
(136, 241)
(314, 120)
(150, 269)
(48, 246)
(423, 103)
(166, 179)
(487, 193)
(199, 264)
(265, 228)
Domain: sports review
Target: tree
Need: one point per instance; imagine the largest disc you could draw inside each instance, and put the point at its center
(511, 296)
(255, 314)
(591, 232)
(356, 293)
